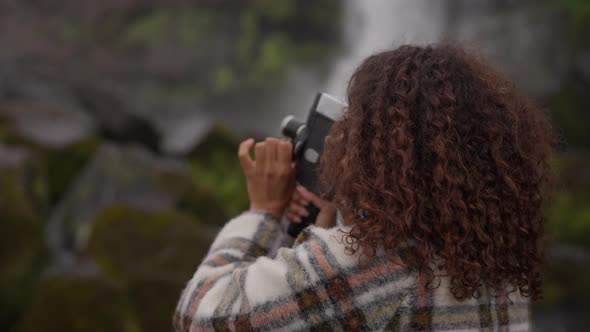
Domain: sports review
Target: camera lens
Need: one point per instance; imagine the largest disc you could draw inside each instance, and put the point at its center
(291, 127)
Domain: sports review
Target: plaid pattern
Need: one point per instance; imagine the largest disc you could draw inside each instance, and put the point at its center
(244, 284)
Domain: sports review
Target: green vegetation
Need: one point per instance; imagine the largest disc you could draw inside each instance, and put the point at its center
(248, 47)
(186, 26)
(215, 165)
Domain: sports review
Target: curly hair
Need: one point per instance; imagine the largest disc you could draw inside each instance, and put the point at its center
(440, 152)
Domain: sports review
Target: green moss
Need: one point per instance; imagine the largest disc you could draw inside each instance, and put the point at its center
(194, 198)
(21, 249)
(129, 243)
(62, 164)
(154, 300)
(79, 304)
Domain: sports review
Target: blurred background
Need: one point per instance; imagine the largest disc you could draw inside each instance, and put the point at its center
(119, 122)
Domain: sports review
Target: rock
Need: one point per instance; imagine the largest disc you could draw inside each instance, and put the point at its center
(128, 175)
(41, 109)
(130, 243)
(154, 301)
(115, 117)
(153, 253)
(182, 133)
(79, 303)
(22, 245)
(63, 164)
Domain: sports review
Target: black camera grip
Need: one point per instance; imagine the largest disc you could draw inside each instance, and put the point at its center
(296, 228)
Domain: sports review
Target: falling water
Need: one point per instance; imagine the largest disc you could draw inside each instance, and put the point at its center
(528, 44)
(375, 25)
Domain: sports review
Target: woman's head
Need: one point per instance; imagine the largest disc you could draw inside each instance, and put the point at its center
(442, 152)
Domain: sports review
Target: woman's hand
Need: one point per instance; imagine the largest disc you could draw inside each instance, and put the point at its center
(270, 175)
(297, 208)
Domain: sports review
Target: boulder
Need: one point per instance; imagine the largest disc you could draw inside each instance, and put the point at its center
(42, 110)
(130, 176)
(40, 113)
(79, 303)
(115, 117)
(153, 253)
(132, 243)
(22, 246)
(154, 300)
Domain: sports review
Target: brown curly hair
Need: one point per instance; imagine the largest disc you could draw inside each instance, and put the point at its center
(442, 153)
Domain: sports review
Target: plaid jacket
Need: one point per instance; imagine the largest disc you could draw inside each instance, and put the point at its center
(244, 285)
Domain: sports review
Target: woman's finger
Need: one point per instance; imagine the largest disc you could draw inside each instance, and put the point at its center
(285, 152)
(311, 197)
(298, 209)
(271, 151)
(299, 199)
(293, 217)
(260, 155)
(244, 155)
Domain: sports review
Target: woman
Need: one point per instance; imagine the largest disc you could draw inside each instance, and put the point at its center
(440, 169)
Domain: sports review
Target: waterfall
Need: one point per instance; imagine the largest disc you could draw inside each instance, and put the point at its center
(525, 43)
(370, 26)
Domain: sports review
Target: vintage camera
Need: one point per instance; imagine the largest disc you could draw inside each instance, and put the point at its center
(308, 144)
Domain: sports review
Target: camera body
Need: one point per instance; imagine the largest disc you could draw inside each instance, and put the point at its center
(308, 144)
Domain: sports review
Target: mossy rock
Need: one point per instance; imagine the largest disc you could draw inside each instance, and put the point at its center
(215, 165)
(62, 164)
(22, 246)
(154, 300)
(79, 304)
(129, 243)
(194, 198)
